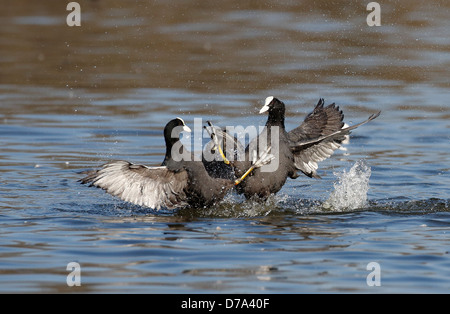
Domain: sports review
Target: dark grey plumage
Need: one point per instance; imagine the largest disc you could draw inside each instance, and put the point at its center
(177, 183)
(320, 134)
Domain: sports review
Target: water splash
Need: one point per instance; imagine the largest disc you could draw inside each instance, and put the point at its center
(350, 192)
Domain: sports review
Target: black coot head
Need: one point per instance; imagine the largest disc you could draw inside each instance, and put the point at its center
(276, 109)
(173, 129)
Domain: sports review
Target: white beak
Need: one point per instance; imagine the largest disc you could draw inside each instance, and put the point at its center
(264, 109)
(185, 127)
(266, 104)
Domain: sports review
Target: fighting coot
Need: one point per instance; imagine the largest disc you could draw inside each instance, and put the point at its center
(320, 134)
(179, 181)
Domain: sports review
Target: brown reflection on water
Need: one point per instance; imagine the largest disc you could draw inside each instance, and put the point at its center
(222, 46)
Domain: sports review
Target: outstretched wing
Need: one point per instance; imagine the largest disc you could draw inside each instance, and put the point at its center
(316, 139)
(322, 121)
(154, 187)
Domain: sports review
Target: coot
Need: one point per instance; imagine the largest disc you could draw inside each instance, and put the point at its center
(320, 134)
(178, 182)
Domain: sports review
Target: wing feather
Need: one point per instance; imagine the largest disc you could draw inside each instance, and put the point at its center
(154, 187)
(321, 133)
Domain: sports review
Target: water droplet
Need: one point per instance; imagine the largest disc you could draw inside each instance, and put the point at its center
(350, 192)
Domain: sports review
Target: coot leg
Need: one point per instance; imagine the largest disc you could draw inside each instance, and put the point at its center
(217, 145)
(264, 159)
